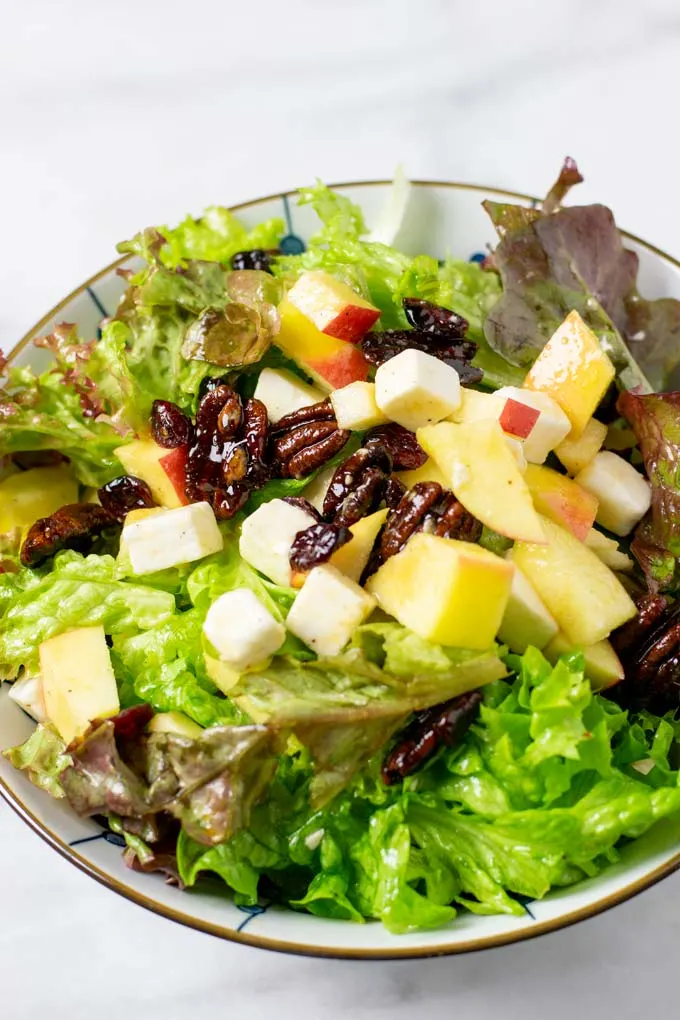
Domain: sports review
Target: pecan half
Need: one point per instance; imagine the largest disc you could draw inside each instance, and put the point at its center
(408, 517)
(649, 648)
(349, 474)
(443, 724)
(454, 521)
(72, 527)
(404, 449)
(306, 439)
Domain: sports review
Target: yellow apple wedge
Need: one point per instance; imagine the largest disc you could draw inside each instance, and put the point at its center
(483, 474)
(78, 683)
(603, 666)
(583, 595)
(428, 472)
(454, 593)
(561, 499)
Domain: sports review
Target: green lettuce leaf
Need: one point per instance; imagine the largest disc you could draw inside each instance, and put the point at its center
(78, 591)
(216, 236)
(43, 757)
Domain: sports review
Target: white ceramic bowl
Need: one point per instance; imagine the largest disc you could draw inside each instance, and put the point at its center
(442, 218)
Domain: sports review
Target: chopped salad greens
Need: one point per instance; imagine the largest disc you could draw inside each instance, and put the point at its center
(349, 577)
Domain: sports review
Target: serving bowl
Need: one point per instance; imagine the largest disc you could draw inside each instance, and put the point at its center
(442, 218)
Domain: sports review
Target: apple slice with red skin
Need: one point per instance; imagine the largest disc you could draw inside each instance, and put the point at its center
(174, 464)
(333, 307)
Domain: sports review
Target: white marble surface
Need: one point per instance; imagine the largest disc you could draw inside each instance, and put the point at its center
(116, 115)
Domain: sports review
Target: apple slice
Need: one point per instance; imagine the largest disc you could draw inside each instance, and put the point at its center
(603, 666)
(450, 592)
(333, 307)
(29, 495)
(428, 472)
(584, 596)
(574, 370)
(78, 683)
(561, 499)
(576, 454)
(332, 363)
(162, 470)
(483, 474)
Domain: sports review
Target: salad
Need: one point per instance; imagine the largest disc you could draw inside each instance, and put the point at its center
(347, 578)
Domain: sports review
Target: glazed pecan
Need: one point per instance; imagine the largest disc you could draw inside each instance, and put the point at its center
(72, 527)
(394, 492)
(316, 545)
(649, 648)
(443, 724)
(349, 476)
(404, 449)
(306, 439)
(408, 517)
(454, 521)
(431, 318)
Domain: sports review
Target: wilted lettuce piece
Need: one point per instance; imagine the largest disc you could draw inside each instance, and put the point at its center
(43, 758)
(79, 591)
(558, 259)
(655, 420)
(238, 335)
(209, 784)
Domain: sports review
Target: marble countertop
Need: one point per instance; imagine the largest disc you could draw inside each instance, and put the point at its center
(117, 116)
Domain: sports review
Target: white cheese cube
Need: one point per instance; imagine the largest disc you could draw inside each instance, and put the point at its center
(624, 495)
(414, 389)
(281, 392)
(355, 407)
(328, 610)
(526, 620)
(540, 434)
(267, 536)
(171, 537)
(27, 693)
(241, 630)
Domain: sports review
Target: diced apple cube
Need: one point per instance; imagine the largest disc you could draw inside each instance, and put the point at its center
(476, 406)
(329, 361)
(162, 470)
(561, 499)
(607, 549)
(78, 683)
(333, 307)
(27, 693)
(282, 392)
(355, 407)
(576, 454)
(415, 389)
(168, 538)
(352, 558)
(175, 722)
(267, 536)
(574, 370)
(624, 495)
(586, 599)
(328, 610)
(535, 418)
(483, 474)
(241, 630)
(526, 620)
(602, 665)
(450, 592)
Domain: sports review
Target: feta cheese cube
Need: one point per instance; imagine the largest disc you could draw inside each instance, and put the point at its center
(541, 433)
(267, 536)
(355, 407)
(170, 537)
(241, 630)
(281, 392)
(414, 389)
(623, 495)
(328, 610)
(27, 693)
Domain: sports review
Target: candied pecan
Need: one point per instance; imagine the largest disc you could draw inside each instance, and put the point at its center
(394, 491)
(71, 527)
(363, 499)
(230, 417)
(125, 493)
(302, 436)
(235, 463)
(316, 544)
(321, 411)
(404, 449)
(308, 460)
(431, 318)
(454, 521)
(170, 426)
(443, 724)
(209, 407)
(228, 500)
(255, 430)
(408, 517)
(348, 475)
(303, 504)
(649, 647)
(650, 608)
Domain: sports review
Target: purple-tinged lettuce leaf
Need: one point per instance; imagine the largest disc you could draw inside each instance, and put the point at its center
(655, 420)
(559, 259)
